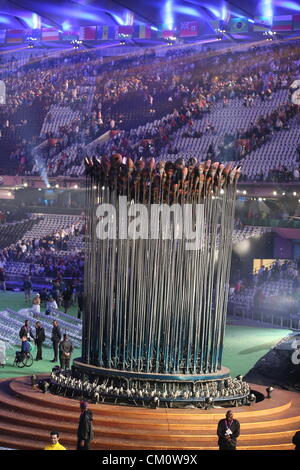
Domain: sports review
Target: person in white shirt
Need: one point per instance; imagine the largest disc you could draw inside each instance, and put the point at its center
(23, 247)
(36, 304)
(50, 306)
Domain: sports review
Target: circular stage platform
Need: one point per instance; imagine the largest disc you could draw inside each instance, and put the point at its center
(82, 368)
(27, 416)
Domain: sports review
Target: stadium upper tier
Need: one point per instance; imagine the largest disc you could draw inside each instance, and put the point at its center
(222, 105)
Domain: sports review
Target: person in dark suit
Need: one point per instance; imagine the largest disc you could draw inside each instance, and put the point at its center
(65, 352)
(228, 432)
(296, 440)
(26, 331)
(85, 433)
(55, 338)
(39, 339)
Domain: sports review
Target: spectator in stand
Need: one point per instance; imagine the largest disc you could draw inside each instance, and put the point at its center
(238, 286)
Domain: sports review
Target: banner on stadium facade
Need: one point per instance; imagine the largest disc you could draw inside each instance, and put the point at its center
(239, 25)
(283, 23)
(88, 33)
(262, 23)
(125, 31)
(144, 31)
(69, 35)
(296, 22)
(50, 34)
(105, 32)
(14, 36)
(189, 29)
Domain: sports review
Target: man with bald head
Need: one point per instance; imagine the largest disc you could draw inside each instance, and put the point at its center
(228, 432)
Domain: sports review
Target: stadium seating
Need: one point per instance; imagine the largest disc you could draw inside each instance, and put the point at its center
(11, 233)
(50, 224)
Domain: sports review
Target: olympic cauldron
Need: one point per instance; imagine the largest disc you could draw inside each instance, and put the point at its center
(158, 254)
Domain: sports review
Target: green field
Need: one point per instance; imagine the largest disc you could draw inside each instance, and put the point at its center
(243, 345)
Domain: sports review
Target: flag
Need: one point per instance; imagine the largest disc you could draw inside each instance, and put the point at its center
(69, 35)
(262, 23)
(125, 31)
(282, 23)
(144, 31)
(102, 32)
(88, 33)
(238, 25)
(189, 29)
(2, 35)
(14, 36)
(50, 34)
(296, 22)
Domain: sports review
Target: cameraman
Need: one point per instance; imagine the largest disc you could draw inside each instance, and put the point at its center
(228, 432)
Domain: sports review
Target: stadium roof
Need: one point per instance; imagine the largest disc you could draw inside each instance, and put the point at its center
(73, 13)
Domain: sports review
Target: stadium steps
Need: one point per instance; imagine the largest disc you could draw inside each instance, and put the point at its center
(27, 416)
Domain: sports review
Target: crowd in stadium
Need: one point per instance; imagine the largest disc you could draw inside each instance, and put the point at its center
(146, 88)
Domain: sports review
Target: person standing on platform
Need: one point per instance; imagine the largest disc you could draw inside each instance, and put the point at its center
(39, 339)
(55, 338)
(65, 352)
(55, 444)
(228, 432)
(85, 432)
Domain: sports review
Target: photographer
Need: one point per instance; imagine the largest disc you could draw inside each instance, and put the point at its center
(228, 432)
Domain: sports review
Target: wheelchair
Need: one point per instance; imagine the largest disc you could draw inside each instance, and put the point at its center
(23, 359)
